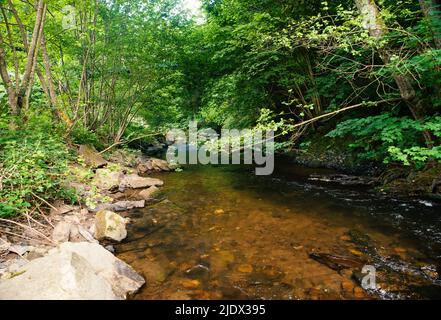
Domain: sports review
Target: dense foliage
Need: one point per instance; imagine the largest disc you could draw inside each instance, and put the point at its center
(99, 72)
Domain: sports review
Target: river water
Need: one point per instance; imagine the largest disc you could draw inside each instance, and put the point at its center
(220, 232)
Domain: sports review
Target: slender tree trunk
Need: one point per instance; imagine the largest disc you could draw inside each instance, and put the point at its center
(432, 12)
(374, 24)
(32, 53)
(12, 94)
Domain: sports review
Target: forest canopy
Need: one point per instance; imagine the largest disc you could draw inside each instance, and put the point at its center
(103, 71)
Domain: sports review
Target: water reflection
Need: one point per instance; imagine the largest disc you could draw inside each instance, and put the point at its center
(223, 233)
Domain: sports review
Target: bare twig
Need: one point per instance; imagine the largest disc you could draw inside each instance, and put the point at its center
(129, 141)
(27, 228)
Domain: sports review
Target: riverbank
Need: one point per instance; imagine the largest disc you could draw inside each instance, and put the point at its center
(394, 179)
(66, 251)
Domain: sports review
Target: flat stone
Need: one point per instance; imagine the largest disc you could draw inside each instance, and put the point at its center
(20, 250)
(133, 181)
(120, 206)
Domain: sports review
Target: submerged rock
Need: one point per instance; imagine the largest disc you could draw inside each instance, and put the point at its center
(343, 179)
(336, 262)
(109, 225)
(74, 271)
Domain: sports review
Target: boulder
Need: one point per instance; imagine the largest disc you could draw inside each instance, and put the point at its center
(133, 181)
(154, 164)
(109, 225)
(74, 271)
(147, 194)
(61, 276)
(144, 168)
(123, 279)
(61, 232)
(91, 157)
(106, 179)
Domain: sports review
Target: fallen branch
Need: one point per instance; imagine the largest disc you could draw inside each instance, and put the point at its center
(363, 104)
(27, 228)
(326, 115)
(120, 143)
(24, 237)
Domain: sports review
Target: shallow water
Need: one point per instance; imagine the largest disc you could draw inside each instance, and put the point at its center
(223, 233)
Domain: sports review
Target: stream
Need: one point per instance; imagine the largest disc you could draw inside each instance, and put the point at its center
(220, 232)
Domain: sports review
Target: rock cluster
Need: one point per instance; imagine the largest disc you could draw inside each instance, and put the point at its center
(79, 267)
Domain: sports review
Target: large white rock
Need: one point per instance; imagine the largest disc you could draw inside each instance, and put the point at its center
(109, 225)
(74, 271)
(61, 276)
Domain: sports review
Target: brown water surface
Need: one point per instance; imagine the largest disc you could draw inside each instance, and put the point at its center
(223, 233)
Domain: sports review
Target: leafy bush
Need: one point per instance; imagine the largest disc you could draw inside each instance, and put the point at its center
(82, 135)
(33, 164)
(390, 138)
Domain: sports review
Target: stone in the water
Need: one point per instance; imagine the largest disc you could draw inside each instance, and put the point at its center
(91, 157)
(134, 181)
(110, 248)
(109, 225)
(198, 272)
(191, 284)
(245, 268)
(336, 262)
(147, 194)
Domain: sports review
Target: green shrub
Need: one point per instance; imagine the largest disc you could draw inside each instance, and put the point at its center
(33, 163)
(390, 138)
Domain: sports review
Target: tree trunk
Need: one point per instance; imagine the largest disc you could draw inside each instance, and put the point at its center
(432, 12)
(32, 53)
(374, 24)
(12, 94)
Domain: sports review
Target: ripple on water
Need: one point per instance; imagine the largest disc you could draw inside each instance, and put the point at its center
(223, 233)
